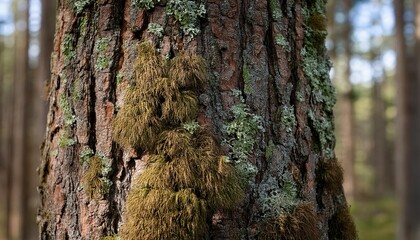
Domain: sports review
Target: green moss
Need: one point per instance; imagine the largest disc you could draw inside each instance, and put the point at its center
(102, 61)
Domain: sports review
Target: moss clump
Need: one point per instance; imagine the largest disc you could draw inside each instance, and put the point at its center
(341, 225)
(330, 175)
(300, 224)
(94, 180)
(186, 177)
(164, 214)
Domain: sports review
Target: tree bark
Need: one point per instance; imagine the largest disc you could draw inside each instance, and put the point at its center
(271, 53)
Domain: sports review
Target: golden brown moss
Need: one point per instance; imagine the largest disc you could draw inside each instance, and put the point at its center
(91, 179)
(301, 224)
(330, 175)
(185, 176)
(341, 225)
(164, 214)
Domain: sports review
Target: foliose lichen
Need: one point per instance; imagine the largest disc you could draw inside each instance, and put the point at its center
(102, 61)
(187, 13)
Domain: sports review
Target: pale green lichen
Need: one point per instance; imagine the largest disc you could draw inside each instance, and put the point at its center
(325, 130)
(243, 130)
(282, 41)
(67, 47)
(186, 12)
(275, 9)
(288, 118)
(191, 126)
(102, 61)
(85, 154)
(247, 79)
(269, 150)
(282, 200)
(156, 29)
(80, 5)
(68, 120)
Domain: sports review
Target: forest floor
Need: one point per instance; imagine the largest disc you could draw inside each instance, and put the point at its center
(375, 218)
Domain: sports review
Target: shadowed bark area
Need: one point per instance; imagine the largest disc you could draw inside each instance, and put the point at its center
(266, 62)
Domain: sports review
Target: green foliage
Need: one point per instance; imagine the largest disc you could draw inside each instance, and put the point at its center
(243, 130)
(155, 29)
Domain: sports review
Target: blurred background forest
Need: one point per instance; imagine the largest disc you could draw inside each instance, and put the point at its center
(373, 46)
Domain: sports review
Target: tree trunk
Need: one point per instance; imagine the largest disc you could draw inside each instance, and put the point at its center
(408, 116)
(268, 101)
(18, 210)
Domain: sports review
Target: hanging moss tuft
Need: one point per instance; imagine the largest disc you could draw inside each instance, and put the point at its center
(164, 214)
(330, 175)
(186, 177)
(301, 224)
(341, 225)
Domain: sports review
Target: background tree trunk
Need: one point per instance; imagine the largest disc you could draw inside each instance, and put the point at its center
(408, 116)
(273, 54)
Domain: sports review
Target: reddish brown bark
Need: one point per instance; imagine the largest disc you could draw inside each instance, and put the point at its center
(234, 34)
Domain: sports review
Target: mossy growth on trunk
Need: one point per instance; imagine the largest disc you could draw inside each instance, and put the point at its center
(186, 178)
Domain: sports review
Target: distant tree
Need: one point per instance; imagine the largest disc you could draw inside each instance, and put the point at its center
(191, 120)
(407, 127)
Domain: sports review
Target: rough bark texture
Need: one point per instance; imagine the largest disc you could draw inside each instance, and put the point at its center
(272, 52)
